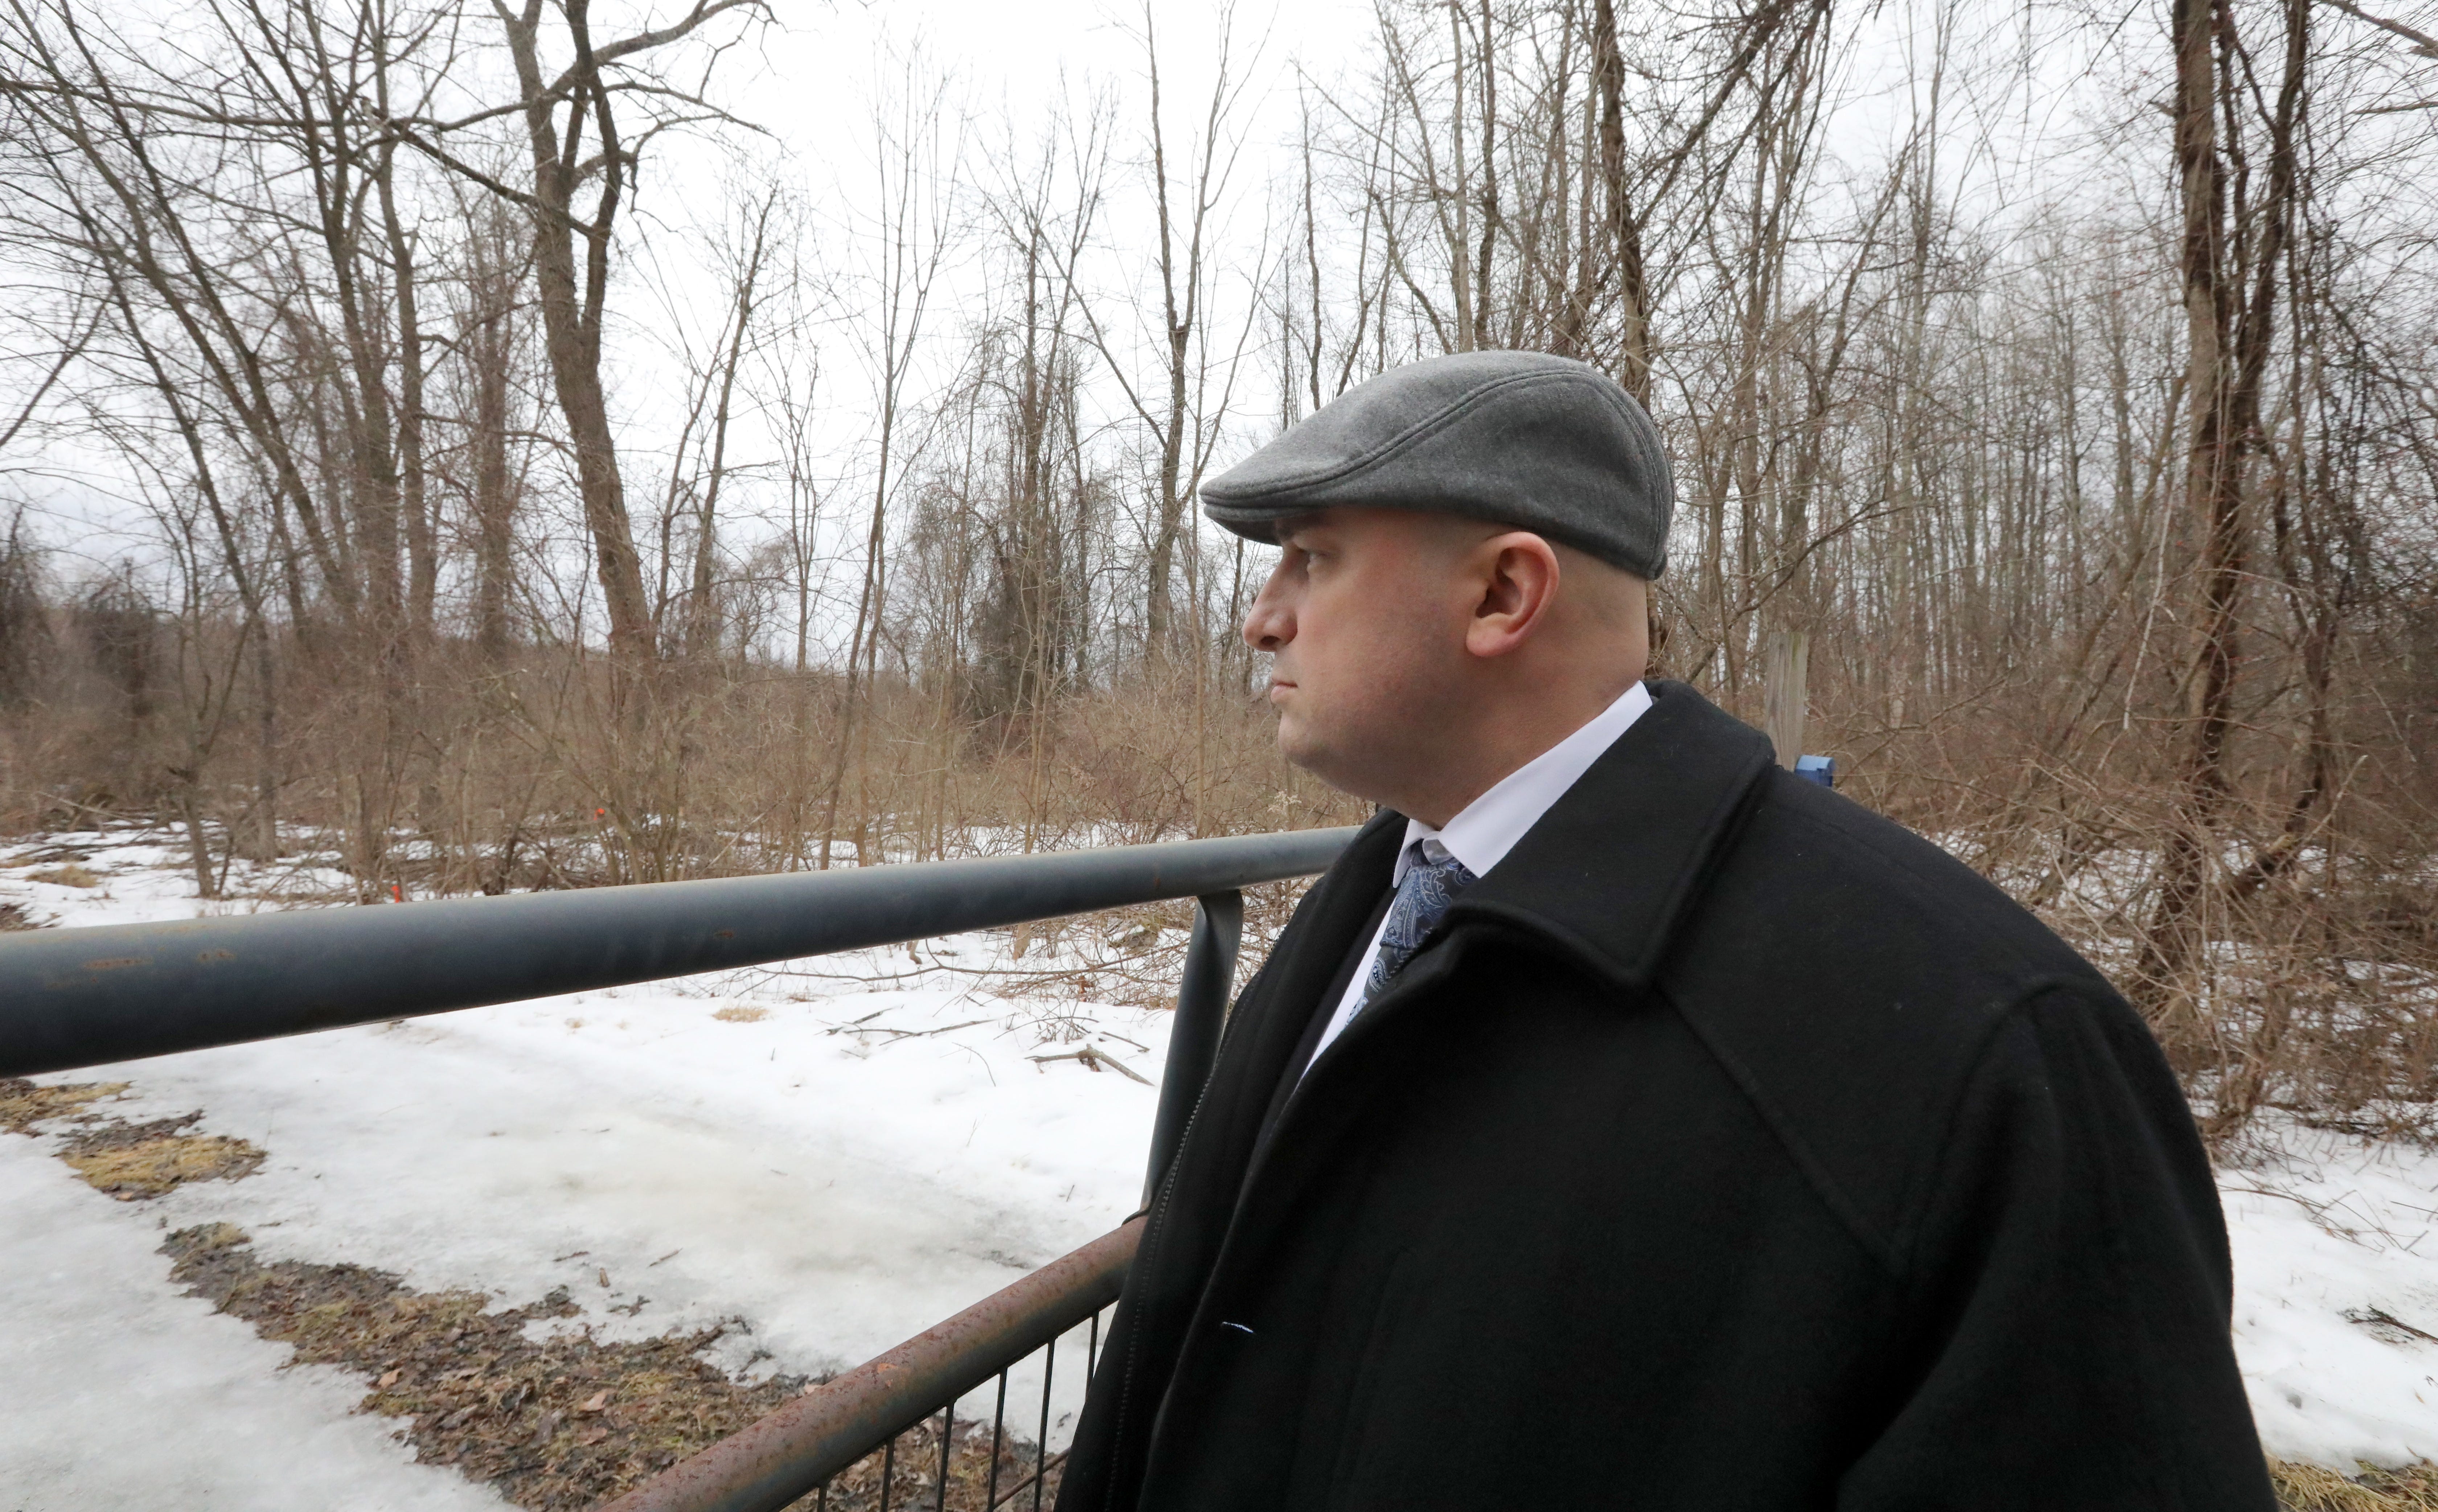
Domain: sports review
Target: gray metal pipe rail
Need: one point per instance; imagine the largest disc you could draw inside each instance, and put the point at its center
(78, 997)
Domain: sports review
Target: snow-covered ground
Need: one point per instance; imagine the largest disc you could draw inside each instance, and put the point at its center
(876, 1150)
(2336, 1296)
(849, 1167)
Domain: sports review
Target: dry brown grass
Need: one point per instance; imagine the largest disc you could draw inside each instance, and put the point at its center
(70, 875)
(515, 776)
(130, 1161)
(741, 1013)
(155, 1166)
(22, 1104)
(2314, 1488)
(559, 1424)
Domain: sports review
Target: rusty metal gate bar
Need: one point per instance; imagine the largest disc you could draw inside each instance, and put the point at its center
(796, 1449)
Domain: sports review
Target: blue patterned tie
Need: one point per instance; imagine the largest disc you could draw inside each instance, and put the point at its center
(1429, 886)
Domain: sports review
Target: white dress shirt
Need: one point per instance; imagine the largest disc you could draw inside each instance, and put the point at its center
(1482, 834)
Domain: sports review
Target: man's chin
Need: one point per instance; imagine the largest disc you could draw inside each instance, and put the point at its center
(1297, 745)
(1302, 749)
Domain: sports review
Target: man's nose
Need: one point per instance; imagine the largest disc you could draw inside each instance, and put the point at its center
(1267, 625)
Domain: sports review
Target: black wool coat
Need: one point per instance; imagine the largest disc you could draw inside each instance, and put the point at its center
(1727, 1147)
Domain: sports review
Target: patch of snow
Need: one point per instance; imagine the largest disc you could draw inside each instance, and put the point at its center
(837, 1186)
(825, 1179)
(116, 1392)
(2335, 1307)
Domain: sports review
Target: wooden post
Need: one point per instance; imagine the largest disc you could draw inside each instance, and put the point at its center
(1790, 655)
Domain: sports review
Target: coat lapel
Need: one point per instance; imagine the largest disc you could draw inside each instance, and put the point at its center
(1190, 1214)
(1273, 1010)
(1607, 875)
(1615, 864)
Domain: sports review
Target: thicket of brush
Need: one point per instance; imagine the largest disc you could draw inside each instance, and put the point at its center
(2092, 534)
(470, 773)
(2316, 989)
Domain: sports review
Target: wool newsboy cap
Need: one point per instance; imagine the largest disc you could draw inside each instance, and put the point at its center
(1541, 443)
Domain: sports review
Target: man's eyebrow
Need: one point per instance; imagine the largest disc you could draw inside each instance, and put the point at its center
(1284, 532)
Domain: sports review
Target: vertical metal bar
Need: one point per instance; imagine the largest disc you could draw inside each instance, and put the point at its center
(948, 1437)
(1093, 1349)
(822, 1498)
(887, 1471)
(1201, 1013)
(1041, 1448)
(998, 1426)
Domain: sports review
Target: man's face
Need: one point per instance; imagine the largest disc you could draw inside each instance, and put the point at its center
(1363, 618)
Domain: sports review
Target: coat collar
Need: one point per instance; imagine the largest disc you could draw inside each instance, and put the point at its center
(1613, 866)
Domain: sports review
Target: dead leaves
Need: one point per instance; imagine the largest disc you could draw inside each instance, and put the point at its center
(560, 1422)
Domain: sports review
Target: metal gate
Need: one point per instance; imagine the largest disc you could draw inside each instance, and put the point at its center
(80, 997)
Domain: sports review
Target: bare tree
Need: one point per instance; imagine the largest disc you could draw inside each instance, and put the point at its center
(2228, 333)
(558, 110)
(703, 618)
(918, 171)
(1178, 414)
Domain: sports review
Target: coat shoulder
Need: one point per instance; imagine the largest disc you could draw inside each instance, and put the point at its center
(1850, 977)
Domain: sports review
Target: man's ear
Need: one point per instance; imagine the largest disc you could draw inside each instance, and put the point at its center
(1518, 576)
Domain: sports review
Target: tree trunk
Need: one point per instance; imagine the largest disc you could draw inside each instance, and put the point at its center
(422, 549)
(1624, 230)
(572, 314)
(703, 619)
(490, 342)
(2213, 494)
(1160, 609)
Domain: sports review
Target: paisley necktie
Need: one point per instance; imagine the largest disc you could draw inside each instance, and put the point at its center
(1433, 878)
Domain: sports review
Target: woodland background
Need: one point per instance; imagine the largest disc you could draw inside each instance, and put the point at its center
(463, 439)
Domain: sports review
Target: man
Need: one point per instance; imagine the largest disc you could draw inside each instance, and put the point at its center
(1623, 1122)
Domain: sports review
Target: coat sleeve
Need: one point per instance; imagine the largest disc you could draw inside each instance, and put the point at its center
(2067, 1342)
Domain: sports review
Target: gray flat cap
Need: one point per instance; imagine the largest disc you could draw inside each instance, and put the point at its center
(1542, 442)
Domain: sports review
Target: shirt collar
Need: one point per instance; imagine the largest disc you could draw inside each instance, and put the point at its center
(1481, 835)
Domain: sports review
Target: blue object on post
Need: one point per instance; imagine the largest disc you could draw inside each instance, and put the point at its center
(1821, 770)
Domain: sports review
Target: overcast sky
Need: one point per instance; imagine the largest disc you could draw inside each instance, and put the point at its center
(2027, 91)
(811, 79)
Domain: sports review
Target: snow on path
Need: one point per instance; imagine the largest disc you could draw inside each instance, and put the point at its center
(835, 1191)
(830, 1178)
(840, 1191)
(118, 1394)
